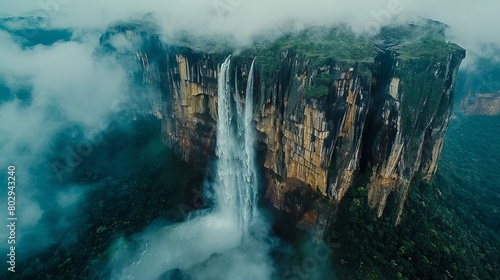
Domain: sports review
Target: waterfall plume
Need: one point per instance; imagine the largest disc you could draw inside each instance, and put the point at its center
(216, 243)
(236, 171)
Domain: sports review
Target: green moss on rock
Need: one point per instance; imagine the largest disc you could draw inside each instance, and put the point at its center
(428, 47)
(315, 92)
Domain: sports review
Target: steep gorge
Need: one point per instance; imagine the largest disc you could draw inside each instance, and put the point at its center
(331, 110)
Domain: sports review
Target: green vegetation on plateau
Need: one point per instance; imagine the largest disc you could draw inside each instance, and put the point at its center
(428, 47)
(411, 41)
(320, 86)
(315, 92)
(319, 44)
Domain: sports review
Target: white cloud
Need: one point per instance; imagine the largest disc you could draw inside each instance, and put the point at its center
(68, 85)
(473, 24)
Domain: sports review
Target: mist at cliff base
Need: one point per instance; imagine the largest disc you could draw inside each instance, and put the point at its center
(208, 246)
(230, 239)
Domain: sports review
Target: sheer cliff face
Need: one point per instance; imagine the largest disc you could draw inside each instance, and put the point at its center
(326, 119)
(410, 124)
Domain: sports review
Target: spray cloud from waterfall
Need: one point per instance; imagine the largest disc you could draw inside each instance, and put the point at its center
(230, 239)
(50, 73)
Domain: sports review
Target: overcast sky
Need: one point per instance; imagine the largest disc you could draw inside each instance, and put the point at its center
(473, 24)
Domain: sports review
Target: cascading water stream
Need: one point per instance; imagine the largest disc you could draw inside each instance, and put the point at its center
(225, 228)
(236, 170)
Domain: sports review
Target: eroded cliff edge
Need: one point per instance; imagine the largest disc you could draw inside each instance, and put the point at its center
(332, 109)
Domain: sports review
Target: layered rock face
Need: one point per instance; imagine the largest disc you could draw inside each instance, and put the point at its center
(410, 125)
(479, 88)
(330, 111)
(481, 104)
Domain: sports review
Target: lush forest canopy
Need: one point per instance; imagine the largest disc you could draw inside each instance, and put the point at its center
(450, 227)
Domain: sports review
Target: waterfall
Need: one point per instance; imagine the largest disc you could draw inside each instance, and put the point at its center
(221, 234)
(250, 175)
(236, 170)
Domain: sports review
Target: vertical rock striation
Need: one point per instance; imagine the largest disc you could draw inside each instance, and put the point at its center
(331, 110)
(409, 123)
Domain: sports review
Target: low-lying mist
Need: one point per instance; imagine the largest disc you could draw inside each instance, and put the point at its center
(78, 153)
(473, 26)
(89, 177)
(45, 90)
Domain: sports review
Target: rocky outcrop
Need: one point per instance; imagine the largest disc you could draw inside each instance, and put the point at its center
(331, 110)
(481, 104)
(479, 88)
(409, 124)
